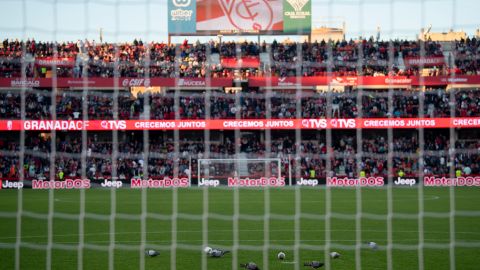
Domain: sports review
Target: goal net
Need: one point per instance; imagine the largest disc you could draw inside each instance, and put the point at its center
(277, 131)
(240, 172)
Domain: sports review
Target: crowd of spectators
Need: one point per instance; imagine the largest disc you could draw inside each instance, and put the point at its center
(252, 104)
(467, 54)
(308, 158)
(139, 59)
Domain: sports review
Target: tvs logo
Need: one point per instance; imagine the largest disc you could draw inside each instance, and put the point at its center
(298, 4)
(248, 14)
(305, 123)
(314, 123)
(113, 125)
(334, 123)
(342, 123)
(181, 3)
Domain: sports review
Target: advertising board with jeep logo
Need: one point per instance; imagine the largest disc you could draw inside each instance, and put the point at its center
(8, 184)
(399, 181)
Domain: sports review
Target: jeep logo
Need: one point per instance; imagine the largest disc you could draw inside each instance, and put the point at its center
(404, 181)
(112, 184)
(11, 184)
(307, 182)
(209, 183)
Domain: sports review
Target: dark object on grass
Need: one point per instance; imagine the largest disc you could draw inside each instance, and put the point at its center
(217, 253)
(250, 266)
(314, 264)
(152, 252)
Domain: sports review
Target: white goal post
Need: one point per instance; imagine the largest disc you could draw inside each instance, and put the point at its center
(215, 172)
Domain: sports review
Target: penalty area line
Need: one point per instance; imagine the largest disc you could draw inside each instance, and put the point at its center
(289, 262)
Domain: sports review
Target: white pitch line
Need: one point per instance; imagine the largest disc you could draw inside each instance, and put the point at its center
(229, 231)
(337, 200)
(244, 240)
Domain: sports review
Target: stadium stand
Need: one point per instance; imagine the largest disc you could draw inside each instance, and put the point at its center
(252, 105)
(90, 59)
(85, 58)
(313, 154)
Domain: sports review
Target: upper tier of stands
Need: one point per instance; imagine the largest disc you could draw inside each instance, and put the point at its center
(139, 59)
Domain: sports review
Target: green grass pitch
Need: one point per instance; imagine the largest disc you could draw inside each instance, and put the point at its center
(34, 230)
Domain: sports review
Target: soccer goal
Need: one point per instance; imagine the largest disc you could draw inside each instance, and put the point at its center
(240, 172)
